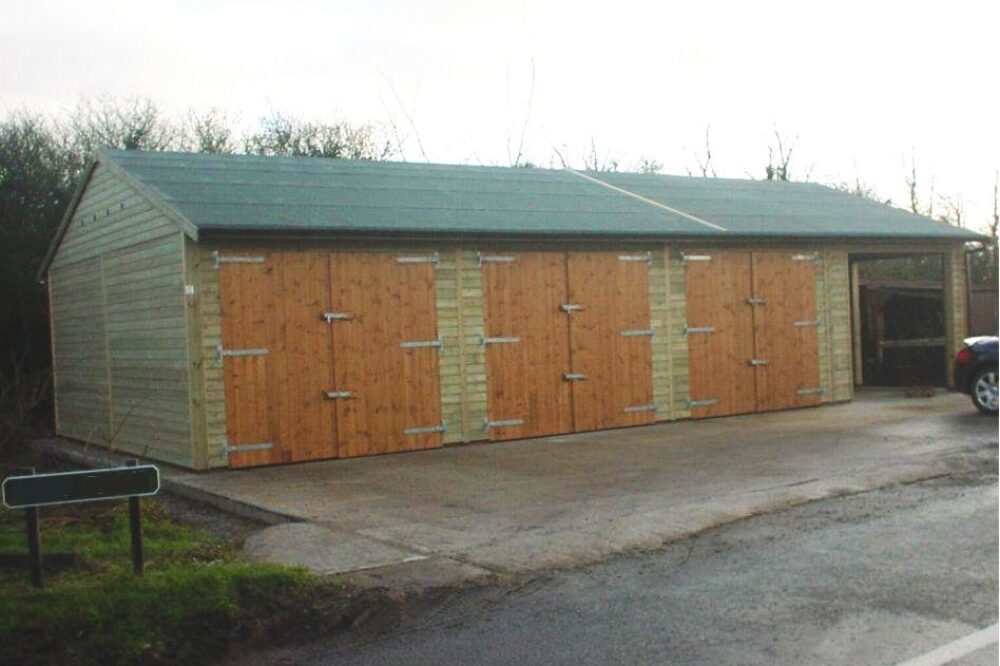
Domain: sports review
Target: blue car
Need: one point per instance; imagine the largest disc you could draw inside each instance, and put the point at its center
(976, 372)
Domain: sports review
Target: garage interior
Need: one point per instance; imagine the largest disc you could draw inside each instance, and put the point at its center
(282, 310)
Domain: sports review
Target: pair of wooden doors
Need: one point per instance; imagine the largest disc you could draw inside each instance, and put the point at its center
(328, 354)
(752, 331)
(567, 342)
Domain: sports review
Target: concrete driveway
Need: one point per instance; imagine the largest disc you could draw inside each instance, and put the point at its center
(460, 512)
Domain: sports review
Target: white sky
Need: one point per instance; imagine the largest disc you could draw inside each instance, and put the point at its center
(863, 85)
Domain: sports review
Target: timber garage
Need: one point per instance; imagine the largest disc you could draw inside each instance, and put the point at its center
(235, 311)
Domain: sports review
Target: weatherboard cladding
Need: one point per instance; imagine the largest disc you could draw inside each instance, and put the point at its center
(275, 194)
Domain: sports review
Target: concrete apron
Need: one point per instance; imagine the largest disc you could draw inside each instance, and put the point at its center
(454, 514)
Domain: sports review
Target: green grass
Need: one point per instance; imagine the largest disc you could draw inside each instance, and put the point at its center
(197, 598)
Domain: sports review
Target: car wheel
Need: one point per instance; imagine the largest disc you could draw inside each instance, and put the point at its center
(984, 390)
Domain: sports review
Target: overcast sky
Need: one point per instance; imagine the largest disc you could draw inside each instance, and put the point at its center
(862, 85)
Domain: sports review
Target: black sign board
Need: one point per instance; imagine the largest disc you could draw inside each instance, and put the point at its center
(90, 485)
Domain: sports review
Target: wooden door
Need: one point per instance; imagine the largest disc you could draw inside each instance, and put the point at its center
(276, 356)
(385, 381)
(527, 344)
(610, 340)
(720, 332)
(785, 330)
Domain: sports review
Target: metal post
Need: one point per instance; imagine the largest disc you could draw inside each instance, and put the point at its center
(136, 527)
(34, 543)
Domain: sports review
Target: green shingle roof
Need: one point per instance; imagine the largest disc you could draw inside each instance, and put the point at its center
(292, 194)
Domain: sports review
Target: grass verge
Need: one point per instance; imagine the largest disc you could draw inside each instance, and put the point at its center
(197, 600)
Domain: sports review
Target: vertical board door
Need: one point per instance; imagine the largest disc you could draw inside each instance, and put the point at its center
(720, 337)
(527, 344)
(785, 330)
(276, 356)
(303, 420)
(385, 358)
(610, 340)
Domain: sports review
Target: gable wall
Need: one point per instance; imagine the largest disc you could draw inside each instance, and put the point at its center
(120, 366)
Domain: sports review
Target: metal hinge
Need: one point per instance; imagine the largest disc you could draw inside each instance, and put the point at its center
(570, 308)
(641, 408)
(645, 258)
(698, 329)
(502, 423)
(333, 395)
(687, 258)
(221, 353)
(242, 448)
(574, 376)
(415, 344)
(809, 391)
(433, 258)
(805, 323)
(702, 403)
(235, 259)
(637, 333)
(335, 316)
(757, 361)
(495, 258)
(424, 429)
(498, 341)
(756, 300)
(806, 257)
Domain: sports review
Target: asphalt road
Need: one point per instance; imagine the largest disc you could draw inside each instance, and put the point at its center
(877, 578)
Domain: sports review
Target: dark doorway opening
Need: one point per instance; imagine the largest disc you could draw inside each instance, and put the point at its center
(901, 314)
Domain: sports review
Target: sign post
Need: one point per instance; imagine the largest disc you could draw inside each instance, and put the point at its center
(34, 543)
(32, 491)
(135, 523)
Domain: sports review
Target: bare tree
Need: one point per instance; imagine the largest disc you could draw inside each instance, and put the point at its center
(648, 165)
(995, 222)
(133, 123)
(954, 211)
(515, 159)
(285, 135)
(779, 158)
(860, 188)
(705, 165)
(407, 115)
(912, 185)
(594, 161)
(211, 132)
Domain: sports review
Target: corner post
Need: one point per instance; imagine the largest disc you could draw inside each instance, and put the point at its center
(955, 305)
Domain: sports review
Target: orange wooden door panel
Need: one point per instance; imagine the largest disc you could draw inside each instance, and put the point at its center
(246, 302)
(273, 303)
(395, 390)
(609, 347)
(523, 294)
(721, 344)
(303, 420)
(785, 330)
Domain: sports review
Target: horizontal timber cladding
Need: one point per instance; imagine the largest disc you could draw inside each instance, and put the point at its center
(120, 358)
(753, 331)
(327, 354)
